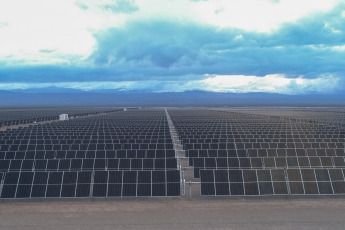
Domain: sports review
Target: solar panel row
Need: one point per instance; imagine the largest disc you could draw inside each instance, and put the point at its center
(273, 182)
(88, 164)
(82, 154)
(287, 145)
(284, 152)
(80, 184)
(266, 162)
(86, 147)
(98, 143)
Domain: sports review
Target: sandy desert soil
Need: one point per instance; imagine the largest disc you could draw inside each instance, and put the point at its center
(313, 214)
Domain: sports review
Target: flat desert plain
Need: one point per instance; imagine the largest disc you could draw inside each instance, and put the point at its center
(321, 213)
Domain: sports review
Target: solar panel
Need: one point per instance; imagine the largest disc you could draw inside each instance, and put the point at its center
(10, 185)
(69, 184)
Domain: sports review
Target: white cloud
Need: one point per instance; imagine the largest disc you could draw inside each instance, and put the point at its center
(66, 26)
(340, 48)
(61, 26)
(239, 37)
(262, 16)
(214, 83)
(269, 84)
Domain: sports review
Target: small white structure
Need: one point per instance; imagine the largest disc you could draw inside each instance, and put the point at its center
(125, 109)
(63, 117)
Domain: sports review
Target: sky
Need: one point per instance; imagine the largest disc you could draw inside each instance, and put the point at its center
(290, 47)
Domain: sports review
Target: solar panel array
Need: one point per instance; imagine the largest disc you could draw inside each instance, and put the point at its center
(18, 116)
(131, 153)
(237, 153)
(326, 116)
(113, 155)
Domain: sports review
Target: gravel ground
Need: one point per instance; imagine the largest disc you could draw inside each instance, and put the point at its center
(313, 214)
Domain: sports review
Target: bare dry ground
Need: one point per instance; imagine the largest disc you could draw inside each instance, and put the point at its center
(313, 214)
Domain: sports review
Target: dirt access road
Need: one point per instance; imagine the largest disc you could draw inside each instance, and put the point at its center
(175, 214)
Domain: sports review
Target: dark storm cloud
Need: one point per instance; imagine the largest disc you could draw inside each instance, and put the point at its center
(311, 47)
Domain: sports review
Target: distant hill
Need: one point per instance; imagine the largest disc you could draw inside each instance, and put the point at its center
(134, 98)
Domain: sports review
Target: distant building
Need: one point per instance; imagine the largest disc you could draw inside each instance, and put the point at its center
(63, 117)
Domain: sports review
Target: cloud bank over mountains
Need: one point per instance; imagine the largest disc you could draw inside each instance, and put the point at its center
(213, 83)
